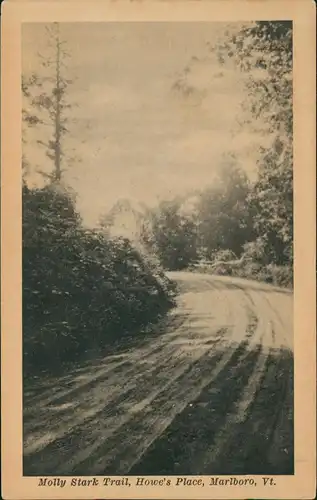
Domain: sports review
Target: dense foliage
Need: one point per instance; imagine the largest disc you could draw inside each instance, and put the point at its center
(223, 228)
(170, 235)
(263, 53)
(80, 289)
(253, 221)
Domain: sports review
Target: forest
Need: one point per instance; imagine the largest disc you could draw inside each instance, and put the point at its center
(85, 289)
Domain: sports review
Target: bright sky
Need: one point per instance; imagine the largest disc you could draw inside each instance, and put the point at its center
(134, 135)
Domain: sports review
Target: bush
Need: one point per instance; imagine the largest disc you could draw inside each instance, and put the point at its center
(81, 290)
(223, 255)
(253, 266)
(256, 251)
(280, 275)
(276, 275)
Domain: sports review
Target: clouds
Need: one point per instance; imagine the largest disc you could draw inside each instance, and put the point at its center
(134, 133)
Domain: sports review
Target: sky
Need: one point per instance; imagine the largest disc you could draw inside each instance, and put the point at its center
(133, 132)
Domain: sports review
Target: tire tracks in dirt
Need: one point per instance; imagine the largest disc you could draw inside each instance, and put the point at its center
(213, 361)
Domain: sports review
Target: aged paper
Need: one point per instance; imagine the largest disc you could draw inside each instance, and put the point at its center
(158, 200)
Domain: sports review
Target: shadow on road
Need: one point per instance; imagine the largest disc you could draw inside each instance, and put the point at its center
(261, 444)
(202, 392)
(65, 375)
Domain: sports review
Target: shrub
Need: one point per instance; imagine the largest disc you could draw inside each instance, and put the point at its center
(80, 289)
(256, 251)
(276, 275)
(223, 255)
(280, 275)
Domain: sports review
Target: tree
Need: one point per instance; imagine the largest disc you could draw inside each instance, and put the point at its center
(46, 103)
(29, 119)
(225, 220)
(261, 54)
(171, 235)
(262, 51)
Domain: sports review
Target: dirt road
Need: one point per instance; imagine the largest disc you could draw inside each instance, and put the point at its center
(212, 394)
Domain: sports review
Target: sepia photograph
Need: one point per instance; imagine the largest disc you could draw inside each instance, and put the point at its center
(158, 296)
(157, 248)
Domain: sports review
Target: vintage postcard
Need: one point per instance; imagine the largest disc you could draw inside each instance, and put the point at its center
(158, 250)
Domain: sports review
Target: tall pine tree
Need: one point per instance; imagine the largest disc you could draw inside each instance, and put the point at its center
(46, 102)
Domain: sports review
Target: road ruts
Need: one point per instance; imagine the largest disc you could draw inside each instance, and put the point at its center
(211, 394)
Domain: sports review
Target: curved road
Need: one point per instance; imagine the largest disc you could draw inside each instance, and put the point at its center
(210, 393)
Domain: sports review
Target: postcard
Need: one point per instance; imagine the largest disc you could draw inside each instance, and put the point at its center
(158, 249)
